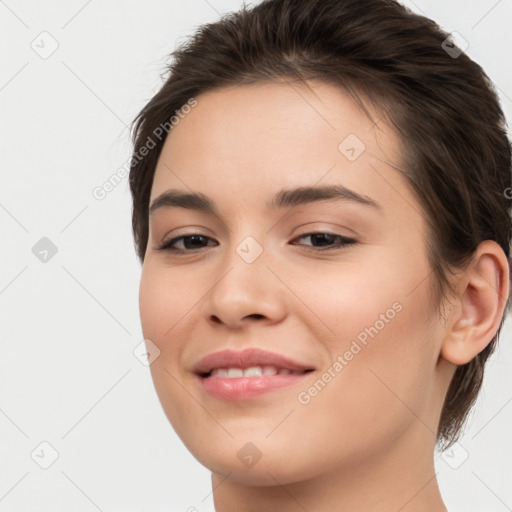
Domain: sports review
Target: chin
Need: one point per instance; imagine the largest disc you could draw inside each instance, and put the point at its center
(258, 463)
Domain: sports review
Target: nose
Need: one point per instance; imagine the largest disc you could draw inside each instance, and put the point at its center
(245, 293)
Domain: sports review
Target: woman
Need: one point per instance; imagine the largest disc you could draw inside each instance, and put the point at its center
(321, 194)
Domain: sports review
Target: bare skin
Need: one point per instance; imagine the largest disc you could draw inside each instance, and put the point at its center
(364, 441)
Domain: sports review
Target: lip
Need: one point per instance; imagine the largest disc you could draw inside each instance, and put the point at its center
(245, 359)
(243, 388)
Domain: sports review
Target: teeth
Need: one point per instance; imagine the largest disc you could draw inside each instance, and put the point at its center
(235, 372)
(253, 371)
(269, 370)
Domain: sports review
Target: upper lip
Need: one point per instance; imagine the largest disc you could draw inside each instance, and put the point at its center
(245, 359)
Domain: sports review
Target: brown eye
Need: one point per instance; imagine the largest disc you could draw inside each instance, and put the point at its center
(326, 241)
(190, 243)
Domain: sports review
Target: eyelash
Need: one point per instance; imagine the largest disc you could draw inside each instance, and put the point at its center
(345, 242)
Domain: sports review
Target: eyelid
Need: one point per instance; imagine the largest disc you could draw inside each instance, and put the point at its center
(344, 242)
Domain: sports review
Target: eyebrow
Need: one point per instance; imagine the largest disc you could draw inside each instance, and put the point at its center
(282, 199)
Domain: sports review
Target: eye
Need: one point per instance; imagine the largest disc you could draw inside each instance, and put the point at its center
(326, 241)
(195, 242)
(191, 243)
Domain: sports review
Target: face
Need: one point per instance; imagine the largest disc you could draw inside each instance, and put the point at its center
(337, 285)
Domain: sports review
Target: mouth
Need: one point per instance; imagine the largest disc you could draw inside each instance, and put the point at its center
(232, 375)
(244, 384)
(252, 371)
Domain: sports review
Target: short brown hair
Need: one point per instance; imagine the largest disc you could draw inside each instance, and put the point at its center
(456, 153)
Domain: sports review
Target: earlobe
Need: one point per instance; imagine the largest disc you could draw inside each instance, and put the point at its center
(459, 346)
(482, 294)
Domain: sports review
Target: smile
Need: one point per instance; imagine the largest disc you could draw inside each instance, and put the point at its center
(253, 371)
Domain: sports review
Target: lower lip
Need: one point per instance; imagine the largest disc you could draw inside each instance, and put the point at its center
(243, 388)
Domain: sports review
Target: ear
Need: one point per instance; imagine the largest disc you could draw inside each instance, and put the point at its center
(481, 299)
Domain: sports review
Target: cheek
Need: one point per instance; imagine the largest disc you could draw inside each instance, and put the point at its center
(381, 390)
(376, 329)
(164, 300)
(164, 303)
(166, 306)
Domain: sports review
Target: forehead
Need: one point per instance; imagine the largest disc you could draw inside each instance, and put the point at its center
(238, 122)
(260, 138)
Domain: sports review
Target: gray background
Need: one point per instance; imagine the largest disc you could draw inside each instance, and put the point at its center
(69, 325)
